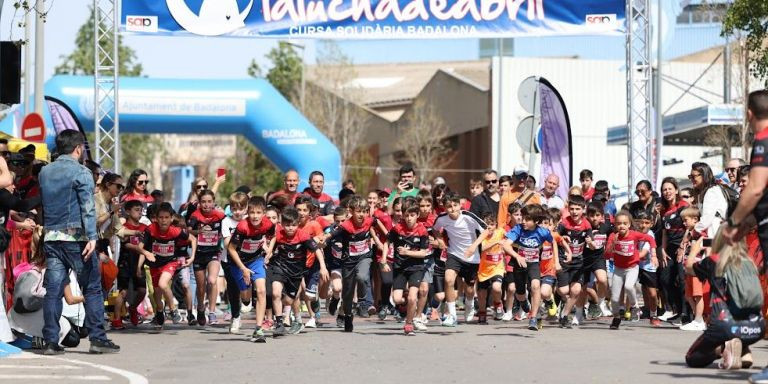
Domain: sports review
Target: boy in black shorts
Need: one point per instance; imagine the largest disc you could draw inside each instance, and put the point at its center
(127, 266)
(594, 263)
(286, 260)
(574, 229)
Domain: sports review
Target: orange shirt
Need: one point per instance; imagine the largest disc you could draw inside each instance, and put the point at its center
(492, 258)
(548, 256)
(510, 197)
(313, 229)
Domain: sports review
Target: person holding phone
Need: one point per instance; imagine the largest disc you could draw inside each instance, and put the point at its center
(405, 186)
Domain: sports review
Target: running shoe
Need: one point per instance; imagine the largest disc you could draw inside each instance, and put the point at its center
(450, 321)
(482, 318)
(552, 309)
(117, 325)
(408, 329)
(507, 316)
(594, 312)
(348, 323)
(605, 310)
(759, 378)
(667, 315)
(176, 316)
(246, 308)
(731, 355)
(258, 336)
(311, 323)
(616, 322)
(565, 322)
(160, 318)
(578, 319)
(191, 319)
(519, 314)
(423, 318)
(201, 318)
(267, 324)
(234, 328)
(498, 313)
(655, 322)
(212, 318)
(469, 313)
(134, 316)
(372, 310)
(340, 321)
(627, 315)
(533, 324)
(525, 306)
(694, 326)
(296, 328)
(279, 329)
(419, 325)
(315, 305)
(539, 323)
(634, 314)
(333, 306)
(435, 315)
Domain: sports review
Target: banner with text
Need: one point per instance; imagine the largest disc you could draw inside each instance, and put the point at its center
(373, 19)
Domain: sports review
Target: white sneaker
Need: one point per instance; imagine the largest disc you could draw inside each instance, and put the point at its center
(695, 326)
(604, 308)
(450, 321)
(311, 323)
(667, 315)
(469, 314)
(246, 308)
(419, 325)
(578, 318)
(424, 319)
(507, 316)
(498, 314)
(235, 326)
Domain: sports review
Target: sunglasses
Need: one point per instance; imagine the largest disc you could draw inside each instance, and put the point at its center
(120, 187)
(142, 182)
(685, 196)
(201, 186)
(693, 176)
(491, 181)
(641, 192)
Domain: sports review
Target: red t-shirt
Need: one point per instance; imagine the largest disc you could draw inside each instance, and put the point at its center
(313, 229)
(625, 251)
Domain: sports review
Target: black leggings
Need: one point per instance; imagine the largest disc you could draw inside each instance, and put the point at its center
(386, 287)
(672, 283)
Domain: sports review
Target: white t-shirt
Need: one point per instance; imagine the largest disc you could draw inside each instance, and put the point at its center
(461, 232)
(552, 202)
(228, 226)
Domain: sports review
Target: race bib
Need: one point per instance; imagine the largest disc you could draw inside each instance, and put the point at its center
(444, 255)
(547, 252)
(531, 255)
(577, 249)
(163, 250)
(493, 257)
(357, 248)
(251, 246)
(599, 241)
(208, 238)
(336, 250)
(625, 248)
(134, 240)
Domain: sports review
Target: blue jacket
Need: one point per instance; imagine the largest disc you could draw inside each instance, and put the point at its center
(67, 190)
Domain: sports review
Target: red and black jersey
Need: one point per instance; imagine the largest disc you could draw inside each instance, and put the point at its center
(355, 241)
(164, 245)
(208, 229)
(134, 239)
(290, 254)
(599, 238)
(385, 219)
(415, 238)
(760, 159)
(27, 187)
(323, 202)
(577, 232)
(249, 239)
(673, 224)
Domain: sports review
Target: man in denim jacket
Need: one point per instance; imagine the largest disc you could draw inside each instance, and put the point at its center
(69, 220)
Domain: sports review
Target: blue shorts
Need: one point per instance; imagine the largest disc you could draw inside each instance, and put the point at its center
(549, 280)
(257, 272)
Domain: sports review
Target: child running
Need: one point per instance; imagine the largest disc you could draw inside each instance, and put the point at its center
(648, 276)
(127, 264)
(205, 224)
(490, 273)
(624, 248)
(550, 261)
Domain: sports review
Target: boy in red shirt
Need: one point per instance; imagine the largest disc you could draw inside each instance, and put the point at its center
(159, 249)
(126, 264)
(205, 224)
(624, 248)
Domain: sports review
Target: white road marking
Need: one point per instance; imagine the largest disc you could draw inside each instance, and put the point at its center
(133, 378)
(5, 366)
(57, 377)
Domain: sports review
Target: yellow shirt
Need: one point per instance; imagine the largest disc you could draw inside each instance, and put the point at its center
(491, 258)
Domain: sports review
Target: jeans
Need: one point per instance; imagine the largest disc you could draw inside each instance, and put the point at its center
(61, 257)
(356, 275)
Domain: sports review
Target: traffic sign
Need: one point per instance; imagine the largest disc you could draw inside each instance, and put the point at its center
(33, 128)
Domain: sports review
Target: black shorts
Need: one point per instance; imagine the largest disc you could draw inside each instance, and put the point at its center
(438, 277)
(333, 264)
(291, 284)
(201, 262)
(524, 276)
(126, 272)
(411, 278)
(649, 279)
(483, 285)
(570, 274)
(509, 278)
(466, 271)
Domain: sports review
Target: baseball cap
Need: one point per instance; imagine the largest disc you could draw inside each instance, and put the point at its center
(438, 180)
(244, 189)
(384, 191)
(520, 170)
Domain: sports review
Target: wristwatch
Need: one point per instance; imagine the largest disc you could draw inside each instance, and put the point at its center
(731, 223)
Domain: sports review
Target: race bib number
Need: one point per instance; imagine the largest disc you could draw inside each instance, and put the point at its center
(391, 254)
(444, 255)
(134, 240)
(599, 241)
(357, 248)
(577, 249)
(493, 257)
(163, 250)
(336, 250)
(547, 252)
(531, 255)
(625, 248)
(208, 238)
(251, 246)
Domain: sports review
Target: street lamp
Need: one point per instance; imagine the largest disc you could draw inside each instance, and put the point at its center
(303, 64)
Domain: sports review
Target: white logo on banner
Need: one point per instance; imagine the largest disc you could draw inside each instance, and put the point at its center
(216, 17)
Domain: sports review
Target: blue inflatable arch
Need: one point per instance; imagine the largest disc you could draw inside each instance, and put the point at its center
(249, 107)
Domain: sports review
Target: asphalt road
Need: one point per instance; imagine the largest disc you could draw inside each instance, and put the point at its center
(378, 352)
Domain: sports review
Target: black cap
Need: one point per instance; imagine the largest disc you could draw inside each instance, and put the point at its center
(244, 189)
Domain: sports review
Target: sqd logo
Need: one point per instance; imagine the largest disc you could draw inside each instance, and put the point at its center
(141, 23)
(217, 17)
(606, 19)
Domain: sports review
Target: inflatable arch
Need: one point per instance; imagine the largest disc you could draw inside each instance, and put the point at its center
(250, 107)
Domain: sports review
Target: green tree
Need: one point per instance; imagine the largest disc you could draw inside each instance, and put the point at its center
(285, 74)
(249, 167)
(137, 150)
(750, 18)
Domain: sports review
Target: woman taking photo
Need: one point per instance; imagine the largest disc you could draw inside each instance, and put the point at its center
(709, 198)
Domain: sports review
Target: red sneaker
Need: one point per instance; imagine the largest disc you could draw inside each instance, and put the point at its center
(117, 324)
(408, 329)
(655, 322)
(134, 316)
(267, 324)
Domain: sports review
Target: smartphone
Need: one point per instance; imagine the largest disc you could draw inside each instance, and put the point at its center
(409, 186)
(221, 172)
(706, 243)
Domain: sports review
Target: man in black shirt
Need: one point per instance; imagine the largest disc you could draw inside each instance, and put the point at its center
(487, 203)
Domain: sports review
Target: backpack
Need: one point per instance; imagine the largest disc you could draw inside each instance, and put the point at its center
(746, 295)
(732, 197)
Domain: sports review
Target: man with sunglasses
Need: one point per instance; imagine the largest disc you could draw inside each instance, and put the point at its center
(487, 202)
